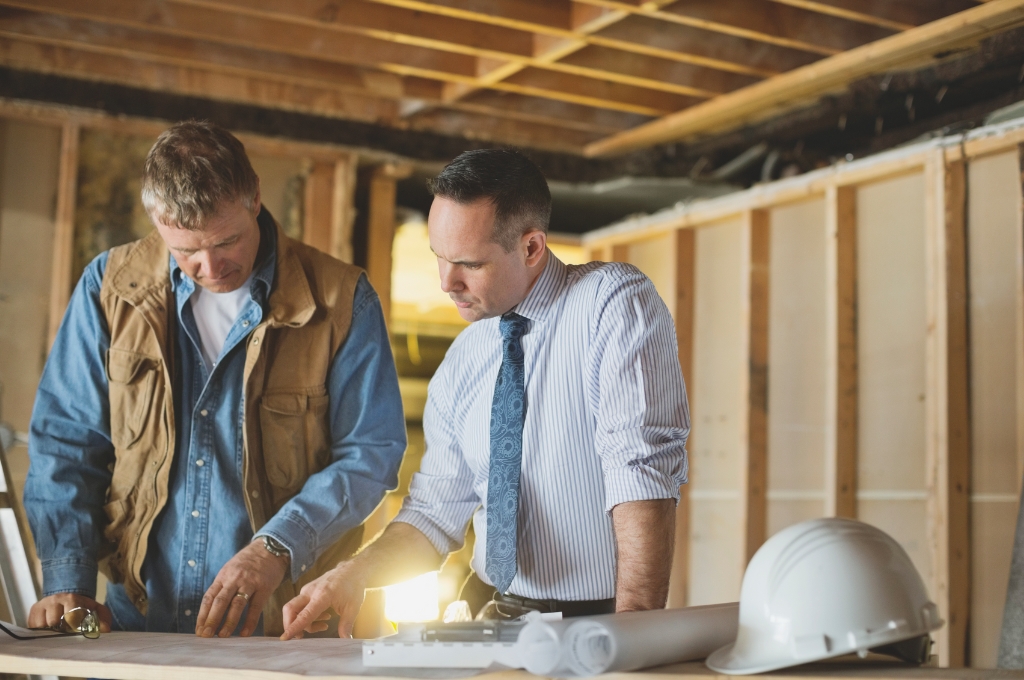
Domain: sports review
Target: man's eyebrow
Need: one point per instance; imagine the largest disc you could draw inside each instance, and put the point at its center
(464, 263)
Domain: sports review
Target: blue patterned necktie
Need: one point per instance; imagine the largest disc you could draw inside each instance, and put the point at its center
(508, 411)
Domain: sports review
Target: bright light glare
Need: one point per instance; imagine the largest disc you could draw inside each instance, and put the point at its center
(413, 600)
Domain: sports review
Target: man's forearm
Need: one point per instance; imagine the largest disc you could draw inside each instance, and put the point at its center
(645, 533)
(398, 554)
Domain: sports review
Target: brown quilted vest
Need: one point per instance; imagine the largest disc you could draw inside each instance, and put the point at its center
(286, 435)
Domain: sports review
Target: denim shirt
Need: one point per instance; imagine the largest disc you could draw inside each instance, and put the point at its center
(204, 523)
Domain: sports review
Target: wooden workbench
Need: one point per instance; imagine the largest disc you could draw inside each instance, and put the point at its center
(163, 656)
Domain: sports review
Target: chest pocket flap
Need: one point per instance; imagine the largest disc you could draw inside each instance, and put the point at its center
(295, 436)
(132, 379)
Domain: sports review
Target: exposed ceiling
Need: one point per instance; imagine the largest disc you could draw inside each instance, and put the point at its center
(587, 76)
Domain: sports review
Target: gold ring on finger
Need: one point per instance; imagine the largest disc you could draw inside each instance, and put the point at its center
(244, 596)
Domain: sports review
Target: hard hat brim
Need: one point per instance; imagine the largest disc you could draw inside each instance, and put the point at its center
(723, 661)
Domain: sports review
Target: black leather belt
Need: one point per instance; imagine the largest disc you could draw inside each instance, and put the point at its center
(569, 608)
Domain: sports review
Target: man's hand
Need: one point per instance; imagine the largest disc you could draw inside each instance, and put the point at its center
(645, 534)
(342, 588)
(400, 552)
(253, 572)
(46, 612)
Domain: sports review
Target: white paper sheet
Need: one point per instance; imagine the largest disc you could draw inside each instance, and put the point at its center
(159, 656)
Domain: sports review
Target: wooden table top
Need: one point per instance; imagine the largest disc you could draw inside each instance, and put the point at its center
(167, 656)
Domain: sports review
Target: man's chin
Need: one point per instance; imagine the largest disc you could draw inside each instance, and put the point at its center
(225, 285)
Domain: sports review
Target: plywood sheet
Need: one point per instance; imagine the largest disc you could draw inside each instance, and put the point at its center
(992, 527)
(716, 551)
(993, 258)
(904, 520)
(993, 197)
(891, 334)
(719, 412)
(891, 358)
(28, 189)
(656, 257)
(797, 403)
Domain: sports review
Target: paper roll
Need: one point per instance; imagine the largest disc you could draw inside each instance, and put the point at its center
(634, 640)
(539, 648)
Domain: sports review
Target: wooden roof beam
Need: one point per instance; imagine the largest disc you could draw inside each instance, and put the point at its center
(98, 38)
(687, 19)
(303, 41)
(193, 82)
(170, 50)
(236, 88)
(545, 25)
(898, 16)
(772, 96)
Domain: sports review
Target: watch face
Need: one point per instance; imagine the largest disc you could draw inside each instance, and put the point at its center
(274, 546)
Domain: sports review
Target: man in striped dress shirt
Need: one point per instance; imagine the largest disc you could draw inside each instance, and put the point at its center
(557, 421)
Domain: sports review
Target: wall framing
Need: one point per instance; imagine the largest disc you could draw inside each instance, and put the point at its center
(946, 541)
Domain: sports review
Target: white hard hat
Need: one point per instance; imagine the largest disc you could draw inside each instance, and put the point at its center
(821, 589)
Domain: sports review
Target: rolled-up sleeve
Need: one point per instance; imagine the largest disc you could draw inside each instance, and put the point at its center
(368, 441)
(70, 452)
(441, 498)
(637, 392)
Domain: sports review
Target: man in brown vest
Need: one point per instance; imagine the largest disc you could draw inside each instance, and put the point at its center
(218, 415)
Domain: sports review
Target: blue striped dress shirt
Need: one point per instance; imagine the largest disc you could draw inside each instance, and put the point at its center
(606, 423)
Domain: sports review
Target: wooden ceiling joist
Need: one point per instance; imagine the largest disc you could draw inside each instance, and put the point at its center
(794, 87)
(598, 71)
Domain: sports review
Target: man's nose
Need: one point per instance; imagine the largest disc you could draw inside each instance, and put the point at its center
(447, 274)
(208, 263)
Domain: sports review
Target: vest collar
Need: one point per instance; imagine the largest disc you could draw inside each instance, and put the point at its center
(146, 270)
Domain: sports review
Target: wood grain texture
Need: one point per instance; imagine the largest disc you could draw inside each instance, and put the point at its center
(317, 227)
(843, 489)
(948, 441)
(685, 262)
(64, 233)
(756, 468)
(382, 231)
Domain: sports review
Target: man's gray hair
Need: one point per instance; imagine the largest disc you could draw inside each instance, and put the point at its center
(192, 170)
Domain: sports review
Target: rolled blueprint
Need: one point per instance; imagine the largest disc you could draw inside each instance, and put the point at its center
(539, 648)
(633, 640)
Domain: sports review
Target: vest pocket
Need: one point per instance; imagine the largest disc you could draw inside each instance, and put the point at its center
(132, 382)
(295, 441)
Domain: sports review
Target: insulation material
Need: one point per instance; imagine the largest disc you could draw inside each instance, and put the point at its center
(718, 411)
(891, 357)
(994, 262)
(797, 362)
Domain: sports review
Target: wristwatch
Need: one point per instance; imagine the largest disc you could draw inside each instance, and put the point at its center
(275, 547)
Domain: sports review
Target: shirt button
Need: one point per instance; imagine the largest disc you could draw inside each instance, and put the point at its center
(195, 513)
(204, 413)
(302, 568)
(191, 563)
(188, 612)
(245, 324)
(254, 493)
(200, 462)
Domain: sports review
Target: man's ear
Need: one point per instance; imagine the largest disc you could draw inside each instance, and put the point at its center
(536, 243)
(256, 203)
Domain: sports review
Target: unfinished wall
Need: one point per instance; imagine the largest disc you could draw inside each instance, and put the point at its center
(797, 351)
(719, 393)
(656, 257)
(29, 156)
(890, 393)
(994, 253)
(891, 357)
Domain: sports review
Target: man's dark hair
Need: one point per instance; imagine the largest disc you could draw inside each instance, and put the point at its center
(510, 180)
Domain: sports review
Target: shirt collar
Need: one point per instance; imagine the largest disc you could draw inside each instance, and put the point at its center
(263, 271)
(545, 291)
